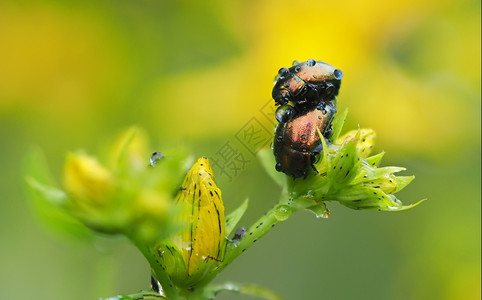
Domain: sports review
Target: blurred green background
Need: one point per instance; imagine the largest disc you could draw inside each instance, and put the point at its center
(75, 73)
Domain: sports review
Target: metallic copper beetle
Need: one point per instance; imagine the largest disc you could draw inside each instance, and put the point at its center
(307, 83)
(297, 142)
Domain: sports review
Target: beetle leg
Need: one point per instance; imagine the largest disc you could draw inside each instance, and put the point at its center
(314, 169)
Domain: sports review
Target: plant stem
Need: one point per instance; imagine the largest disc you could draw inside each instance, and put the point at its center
(262, 226)
(168, 287)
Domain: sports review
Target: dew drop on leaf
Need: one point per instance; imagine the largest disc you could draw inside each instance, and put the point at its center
(155, 158)
(282, 212)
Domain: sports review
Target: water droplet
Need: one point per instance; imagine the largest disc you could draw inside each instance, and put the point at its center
(279, 167)
(311, 62)
(283, 113)
(320, 210)
(338, 74)
(282, 212)
(297, 69)
(283, 72)
(304, 137)
(324, 215)
(155, 158)
(156, 285)
(295, 62)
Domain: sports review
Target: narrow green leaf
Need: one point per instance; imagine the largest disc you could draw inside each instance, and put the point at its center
(35, 165)
(47, 200)
(233, 218)
(245, 289)
(142, 295)
(337, 125)
(48, 193)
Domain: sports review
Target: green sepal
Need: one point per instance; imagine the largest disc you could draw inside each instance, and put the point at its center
(337, 125)
(233, 218)
(170, 259)
(48, 200)
(375, 160)
(343, 166)
(344, 175)
(48, 194)
(402, 182)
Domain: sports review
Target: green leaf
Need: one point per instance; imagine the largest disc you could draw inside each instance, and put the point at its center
(245, 289)
(142, 295)
(48, 193)
(35, 166)
(337, 125)
(47, 200)
(233, 218)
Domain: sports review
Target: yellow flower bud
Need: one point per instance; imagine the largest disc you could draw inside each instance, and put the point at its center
(86, 179)
(129, 150)
(203, 211)
(153, 202)
(365, 142)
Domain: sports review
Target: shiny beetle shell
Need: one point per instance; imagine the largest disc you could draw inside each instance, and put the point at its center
(297, 142)
(307, 83)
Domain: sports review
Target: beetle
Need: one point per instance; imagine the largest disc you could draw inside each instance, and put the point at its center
(297, 143)
(307, 83)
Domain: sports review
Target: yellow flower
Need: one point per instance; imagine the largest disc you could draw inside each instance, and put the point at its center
(365, 142)
(86, 180)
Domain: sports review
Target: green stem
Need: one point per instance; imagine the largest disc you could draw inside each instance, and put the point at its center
(261, 227)
(280, 212)
(168, 287)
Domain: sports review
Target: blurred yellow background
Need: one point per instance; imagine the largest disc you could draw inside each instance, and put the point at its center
(75, 73)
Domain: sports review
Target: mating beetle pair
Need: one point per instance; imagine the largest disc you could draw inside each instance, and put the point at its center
(306, 94)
